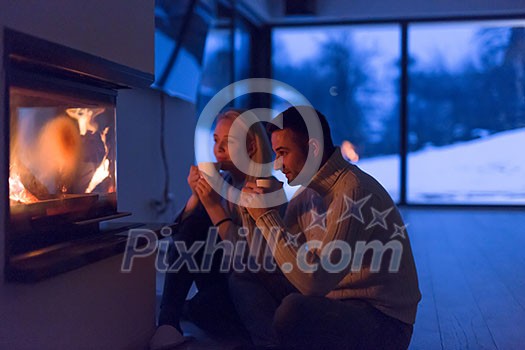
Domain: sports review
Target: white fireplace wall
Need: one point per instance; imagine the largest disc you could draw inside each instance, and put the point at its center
(96, 306)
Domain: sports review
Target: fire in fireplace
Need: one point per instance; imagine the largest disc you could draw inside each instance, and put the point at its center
(59, 147)
(62, 166)
(62, 145)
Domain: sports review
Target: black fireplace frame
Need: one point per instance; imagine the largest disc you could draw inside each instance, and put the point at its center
(24, 57)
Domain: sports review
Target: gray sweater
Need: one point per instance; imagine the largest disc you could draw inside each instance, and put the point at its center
(343, 237)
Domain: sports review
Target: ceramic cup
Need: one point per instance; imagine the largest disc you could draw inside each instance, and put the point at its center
(268, 183)
(209, 168)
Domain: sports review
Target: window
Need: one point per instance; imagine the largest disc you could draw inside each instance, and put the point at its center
(217, 65)
(181, 78)
(466, 113)
(222, 66)
(351, 74)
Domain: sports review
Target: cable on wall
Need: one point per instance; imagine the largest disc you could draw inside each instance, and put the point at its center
(167, 197)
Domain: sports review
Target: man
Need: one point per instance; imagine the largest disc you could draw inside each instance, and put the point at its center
(348, 276)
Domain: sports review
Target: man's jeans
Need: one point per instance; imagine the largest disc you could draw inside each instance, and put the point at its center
(275, 313)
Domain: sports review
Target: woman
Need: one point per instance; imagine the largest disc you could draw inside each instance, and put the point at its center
(211, 307)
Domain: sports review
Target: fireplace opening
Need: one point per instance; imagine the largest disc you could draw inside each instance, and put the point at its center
(62, 164)
(61, 117)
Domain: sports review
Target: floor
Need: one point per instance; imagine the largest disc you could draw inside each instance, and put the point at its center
(204, 341)
(471, 267)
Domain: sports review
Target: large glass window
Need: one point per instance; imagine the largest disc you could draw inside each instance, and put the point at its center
(222, 65)
(466, 113)
(351, 74)
(180, 77)
(179, 43)
(217, 65)
(243, 55)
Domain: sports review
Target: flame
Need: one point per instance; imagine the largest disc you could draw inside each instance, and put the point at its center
(55, 155)
(102, 171)
(100, 174)
(349, 152)
(17, 191)
(85, 118)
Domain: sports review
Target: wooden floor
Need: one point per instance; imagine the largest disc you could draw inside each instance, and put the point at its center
(471, 267)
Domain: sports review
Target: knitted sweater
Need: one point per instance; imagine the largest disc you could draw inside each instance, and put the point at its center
(370, 257)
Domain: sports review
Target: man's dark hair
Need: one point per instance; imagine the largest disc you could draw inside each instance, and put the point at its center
(293, 119)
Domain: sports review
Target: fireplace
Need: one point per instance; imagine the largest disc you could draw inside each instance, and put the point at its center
(62, 108)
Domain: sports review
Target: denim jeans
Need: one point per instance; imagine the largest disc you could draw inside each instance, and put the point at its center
(211, 308)
(275, 313)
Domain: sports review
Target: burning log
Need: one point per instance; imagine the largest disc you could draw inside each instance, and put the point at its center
(31, 183)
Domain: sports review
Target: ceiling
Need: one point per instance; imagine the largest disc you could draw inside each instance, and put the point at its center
(285, 12)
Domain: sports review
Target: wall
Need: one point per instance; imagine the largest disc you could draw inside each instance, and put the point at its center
(140, 173)
(95, 307)
(118, 30)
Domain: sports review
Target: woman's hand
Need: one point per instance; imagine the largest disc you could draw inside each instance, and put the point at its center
(207, 195)
(193, 201)
(193, 178)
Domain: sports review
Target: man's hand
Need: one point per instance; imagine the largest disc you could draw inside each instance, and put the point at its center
(252, 201)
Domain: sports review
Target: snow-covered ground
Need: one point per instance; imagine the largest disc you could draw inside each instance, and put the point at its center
(490, 170)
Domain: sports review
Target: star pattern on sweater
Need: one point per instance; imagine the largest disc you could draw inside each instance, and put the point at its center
(318, 220)
(379, 218)
(399, 231)
(291, 239)
(354, 208)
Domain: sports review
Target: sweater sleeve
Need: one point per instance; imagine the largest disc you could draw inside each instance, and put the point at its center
(307, 245)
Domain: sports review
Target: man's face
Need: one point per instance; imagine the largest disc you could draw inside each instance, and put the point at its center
(290, 153)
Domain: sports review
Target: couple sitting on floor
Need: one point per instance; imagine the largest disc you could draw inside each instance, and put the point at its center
(343, 273)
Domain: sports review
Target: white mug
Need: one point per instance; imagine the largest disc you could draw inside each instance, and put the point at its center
(209, 168)
(268, 183)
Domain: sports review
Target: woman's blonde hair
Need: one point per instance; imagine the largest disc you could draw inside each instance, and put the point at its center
(256, 134)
